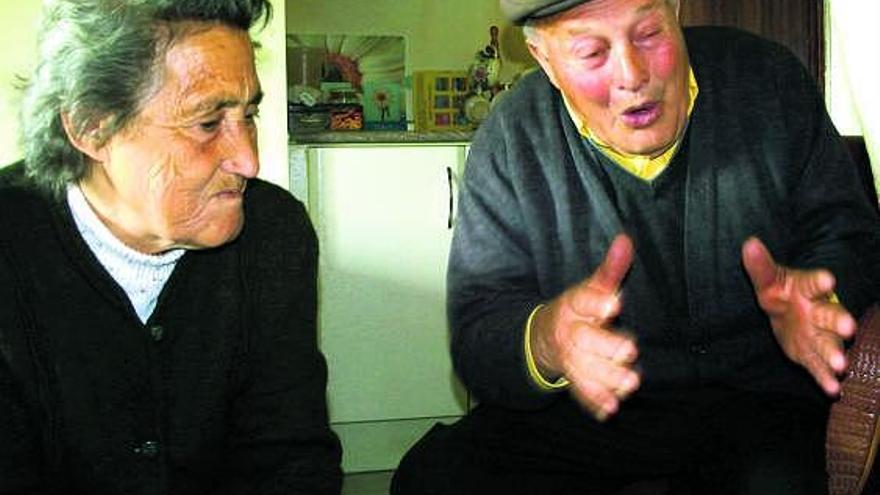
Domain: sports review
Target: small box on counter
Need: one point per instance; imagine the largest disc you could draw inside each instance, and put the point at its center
(438, 98)
(304, 119)
(346, 117)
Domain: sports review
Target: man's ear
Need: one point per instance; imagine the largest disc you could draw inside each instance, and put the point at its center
(88, 141)
(539, 53)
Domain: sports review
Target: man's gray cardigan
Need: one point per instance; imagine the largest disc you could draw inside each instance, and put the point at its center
(760, 158)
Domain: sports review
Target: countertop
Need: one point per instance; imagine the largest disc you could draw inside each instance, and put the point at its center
(381, 137)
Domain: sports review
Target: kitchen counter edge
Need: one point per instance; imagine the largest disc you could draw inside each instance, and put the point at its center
(380, 137)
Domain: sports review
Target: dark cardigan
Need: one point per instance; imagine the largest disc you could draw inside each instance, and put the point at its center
(222, 391)
(537, 213)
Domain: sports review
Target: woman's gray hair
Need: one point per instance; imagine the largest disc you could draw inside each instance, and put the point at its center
(98, 63)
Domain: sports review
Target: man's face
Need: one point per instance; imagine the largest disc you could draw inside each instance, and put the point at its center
(175, 176)
(623, 67)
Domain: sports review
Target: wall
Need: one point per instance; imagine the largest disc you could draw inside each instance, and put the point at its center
(18, 36)
(272, 124)
(18, 28)
(441, 34)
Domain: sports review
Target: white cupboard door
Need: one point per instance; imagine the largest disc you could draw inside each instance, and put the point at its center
(383, 216)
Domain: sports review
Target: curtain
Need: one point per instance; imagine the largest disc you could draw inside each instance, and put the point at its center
(854, 69)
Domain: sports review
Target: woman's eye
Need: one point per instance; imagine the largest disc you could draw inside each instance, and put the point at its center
(209, 126)
(252, 115)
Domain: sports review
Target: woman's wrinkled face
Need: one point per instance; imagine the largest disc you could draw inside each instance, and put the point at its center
(175, 176)
(622, 65)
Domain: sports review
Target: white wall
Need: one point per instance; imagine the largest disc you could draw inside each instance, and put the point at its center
(18, 28)
(441, 34)
(272, 71)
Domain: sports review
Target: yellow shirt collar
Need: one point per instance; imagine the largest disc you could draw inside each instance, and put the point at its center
(642, 166)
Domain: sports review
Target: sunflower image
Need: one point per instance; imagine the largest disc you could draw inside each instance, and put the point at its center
(383, 100)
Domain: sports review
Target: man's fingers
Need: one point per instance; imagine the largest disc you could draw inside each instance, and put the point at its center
(615, 347)
(600, 411)
(622, 381)
(598, 363)
(823, 357)
(833, 318)
(600, 400)
(619, 379)
(597, 360)
(597, 381)
(597, 297)
(816, 284)
(593, 305)
(823, 375)
(759, 264)
(610, 274)
(830, 348)
(810, 328)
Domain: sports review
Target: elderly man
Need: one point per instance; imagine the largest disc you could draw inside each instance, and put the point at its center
(158, 303)
(614, 304)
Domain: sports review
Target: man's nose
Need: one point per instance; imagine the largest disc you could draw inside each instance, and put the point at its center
(240, 154)
(631, 69)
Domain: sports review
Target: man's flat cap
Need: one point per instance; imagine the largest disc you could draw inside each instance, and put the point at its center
(521, 11)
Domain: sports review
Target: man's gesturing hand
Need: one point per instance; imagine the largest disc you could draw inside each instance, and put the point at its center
(809, 327)
(572, 336)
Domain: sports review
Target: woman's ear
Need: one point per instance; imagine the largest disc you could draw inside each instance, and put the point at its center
(87, 141)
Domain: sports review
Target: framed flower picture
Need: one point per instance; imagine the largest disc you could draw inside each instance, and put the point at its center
(373, 65)
(383, 106)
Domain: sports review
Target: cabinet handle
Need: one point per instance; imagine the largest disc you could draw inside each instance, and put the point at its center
(451, 201)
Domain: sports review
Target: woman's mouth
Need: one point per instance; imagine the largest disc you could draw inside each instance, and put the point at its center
(235, 191)
(641, 116)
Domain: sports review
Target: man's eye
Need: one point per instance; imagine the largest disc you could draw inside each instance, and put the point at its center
(648, 35)
(591, 55)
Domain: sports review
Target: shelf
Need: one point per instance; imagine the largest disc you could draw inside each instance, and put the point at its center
(381, 137)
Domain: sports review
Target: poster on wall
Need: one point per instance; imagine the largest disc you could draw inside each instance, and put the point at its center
(344, 69)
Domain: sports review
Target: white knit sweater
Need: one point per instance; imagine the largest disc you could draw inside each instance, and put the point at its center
(141, 276)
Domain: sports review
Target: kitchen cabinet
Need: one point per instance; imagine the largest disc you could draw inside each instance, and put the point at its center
(384, 217)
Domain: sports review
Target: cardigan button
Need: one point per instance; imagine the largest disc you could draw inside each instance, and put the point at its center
(157, 332)
(700, 349)
(148, 449)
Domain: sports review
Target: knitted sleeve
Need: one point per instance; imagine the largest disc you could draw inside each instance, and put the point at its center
(492, 278)
(22, 466)
(281, 441)
(838, 227)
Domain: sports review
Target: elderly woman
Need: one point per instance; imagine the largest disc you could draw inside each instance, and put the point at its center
(158, 303)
